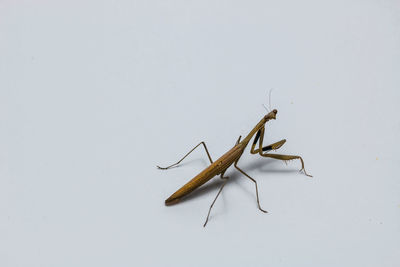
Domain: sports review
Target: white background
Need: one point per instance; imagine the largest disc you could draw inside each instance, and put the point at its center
(95, 94)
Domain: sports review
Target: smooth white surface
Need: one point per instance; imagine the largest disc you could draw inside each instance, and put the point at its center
(94, 94)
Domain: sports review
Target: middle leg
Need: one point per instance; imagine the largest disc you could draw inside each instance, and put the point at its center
(255, 182)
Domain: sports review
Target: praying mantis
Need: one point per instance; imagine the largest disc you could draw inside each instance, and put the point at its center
(219, 166)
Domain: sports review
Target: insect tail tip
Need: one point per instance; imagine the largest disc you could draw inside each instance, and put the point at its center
(171, 201)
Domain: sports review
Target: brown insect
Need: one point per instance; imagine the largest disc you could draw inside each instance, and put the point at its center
(219, 166)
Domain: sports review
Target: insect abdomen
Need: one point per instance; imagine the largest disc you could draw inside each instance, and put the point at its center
(196, 182)
(207, 174)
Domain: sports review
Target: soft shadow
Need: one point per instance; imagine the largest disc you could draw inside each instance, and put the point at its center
(265, 166)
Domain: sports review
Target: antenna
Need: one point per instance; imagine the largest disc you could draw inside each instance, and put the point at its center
(269, 97)
(269, 101)
(266, 108)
